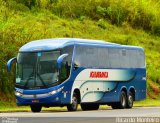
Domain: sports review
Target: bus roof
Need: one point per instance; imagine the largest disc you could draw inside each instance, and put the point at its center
(56, 43)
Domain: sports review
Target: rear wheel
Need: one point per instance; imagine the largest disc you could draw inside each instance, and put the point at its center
(35, 108)
(86, 107)
(130, 99)
(123, 100)
(122, 103)
(73, 106)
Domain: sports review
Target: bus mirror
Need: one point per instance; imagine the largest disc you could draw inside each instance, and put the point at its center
(9, 64)
(60, 59)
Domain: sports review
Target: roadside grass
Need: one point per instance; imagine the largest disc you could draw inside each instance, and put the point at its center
(11, 107)
(147, 102)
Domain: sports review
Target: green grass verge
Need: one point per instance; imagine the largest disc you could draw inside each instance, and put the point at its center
(11, 107)
(148, 102)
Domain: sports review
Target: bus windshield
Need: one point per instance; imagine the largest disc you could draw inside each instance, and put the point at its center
(37, 70)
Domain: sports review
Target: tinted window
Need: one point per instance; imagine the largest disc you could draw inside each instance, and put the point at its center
(140, 59)
(96, 57)
(37, 70)
(103, 58)
(86, 57)
(66, 64)
(114, 57)
(124, 58)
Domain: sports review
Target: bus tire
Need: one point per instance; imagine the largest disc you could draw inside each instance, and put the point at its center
(36, 108)
(73, 106)
(130, 100)
(123, 100)
(86, 107)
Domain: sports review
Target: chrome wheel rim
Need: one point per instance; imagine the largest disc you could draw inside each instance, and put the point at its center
(130, 100)
(123, 100)
(74, 102)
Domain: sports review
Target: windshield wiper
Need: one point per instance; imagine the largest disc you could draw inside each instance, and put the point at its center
(41, 79)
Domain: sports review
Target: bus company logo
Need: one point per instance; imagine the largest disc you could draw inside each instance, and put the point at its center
(97, 74)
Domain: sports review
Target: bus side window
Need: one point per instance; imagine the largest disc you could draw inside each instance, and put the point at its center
(114, 56)
(140, 59)
(67, 67)
(124, 59)
(63, 71)
(66, 64)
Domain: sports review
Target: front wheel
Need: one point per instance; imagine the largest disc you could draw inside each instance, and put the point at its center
(73, 106)
(35, 108)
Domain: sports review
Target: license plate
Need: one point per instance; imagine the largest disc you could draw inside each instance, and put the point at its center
(35, 101)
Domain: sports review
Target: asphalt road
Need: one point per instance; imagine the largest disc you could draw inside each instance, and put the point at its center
(99, 116)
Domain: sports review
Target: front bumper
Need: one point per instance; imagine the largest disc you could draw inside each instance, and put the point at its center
(39, 99)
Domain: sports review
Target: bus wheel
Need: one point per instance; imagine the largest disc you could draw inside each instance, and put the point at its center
(86, 107)
(130, 100)
(73, 106)
(123, 100)
(35, 108)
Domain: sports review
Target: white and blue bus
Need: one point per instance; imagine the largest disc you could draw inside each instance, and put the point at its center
(71, 71)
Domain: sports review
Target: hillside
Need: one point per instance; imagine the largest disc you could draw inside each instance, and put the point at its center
(129, 22)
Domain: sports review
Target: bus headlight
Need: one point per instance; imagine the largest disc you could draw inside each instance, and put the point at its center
(18, 93)
(55, 91)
